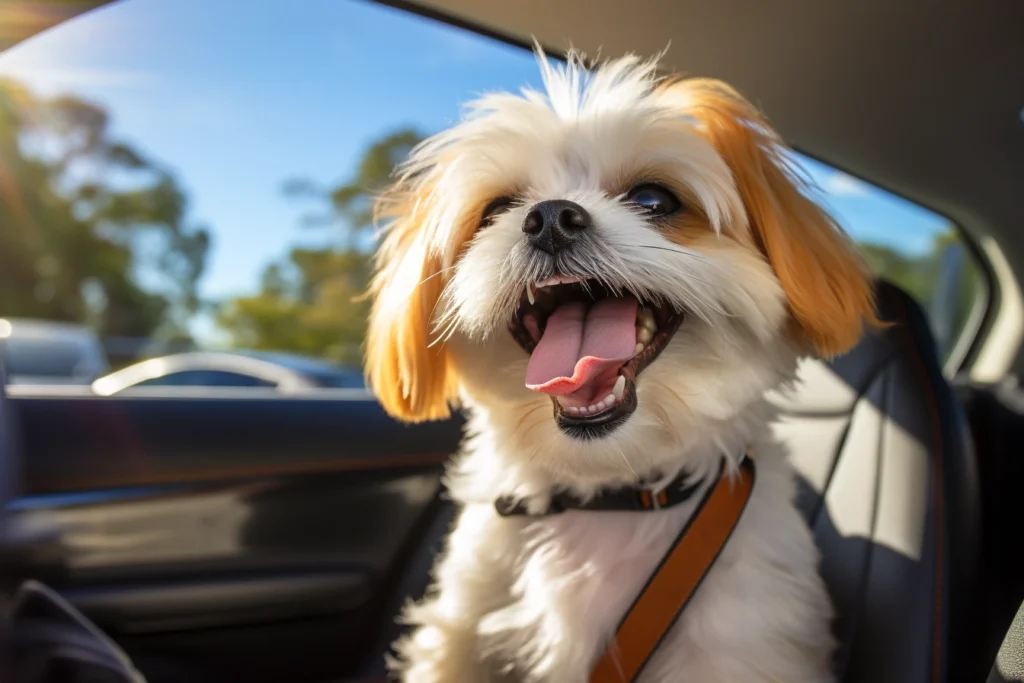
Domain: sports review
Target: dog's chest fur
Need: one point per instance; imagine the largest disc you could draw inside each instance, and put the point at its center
(760, 615)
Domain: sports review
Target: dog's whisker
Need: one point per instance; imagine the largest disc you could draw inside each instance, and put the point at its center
(431, 277)
(626, 460)
(678, 250)
(528, 414)
(445, 335)
(674, 394)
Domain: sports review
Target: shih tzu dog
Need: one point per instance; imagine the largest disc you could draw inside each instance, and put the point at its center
(608, 276)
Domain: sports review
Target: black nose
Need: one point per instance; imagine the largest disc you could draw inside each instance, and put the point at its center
(554, 224)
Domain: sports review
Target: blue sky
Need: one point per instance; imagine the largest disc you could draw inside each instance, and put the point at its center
(237, 96)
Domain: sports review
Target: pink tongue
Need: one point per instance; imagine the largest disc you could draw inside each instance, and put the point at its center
(582, 344)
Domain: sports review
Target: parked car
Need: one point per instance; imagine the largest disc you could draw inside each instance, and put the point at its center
(48, 352)
(278, 371)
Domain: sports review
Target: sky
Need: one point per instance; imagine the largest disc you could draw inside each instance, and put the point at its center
(237, 96)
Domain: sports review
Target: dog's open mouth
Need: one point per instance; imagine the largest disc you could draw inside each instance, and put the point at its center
(587, 346)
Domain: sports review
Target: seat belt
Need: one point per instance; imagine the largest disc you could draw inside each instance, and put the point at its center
(677, 577)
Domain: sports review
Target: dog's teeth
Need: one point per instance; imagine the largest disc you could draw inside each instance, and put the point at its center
(530, 294)
(645, 320)
(619, 388)
(644, 336)
(638, 349)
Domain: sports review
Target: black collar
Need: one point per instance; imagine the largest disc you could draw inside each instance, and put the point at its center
(629, 498)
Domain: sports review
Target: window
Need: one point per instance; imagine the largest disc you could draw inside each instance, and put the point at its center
(205, 378)
(191, 175)
(910, 246)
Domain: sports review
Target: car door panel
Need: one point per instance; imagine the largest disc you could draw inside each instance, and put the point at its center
(91, 443)
(183, 605)
(192, 530)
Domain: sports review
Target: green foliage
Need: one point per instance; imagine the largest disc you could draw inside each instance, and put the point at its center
(307, 305)
(83, 218)
(311, 303)
(919, 275)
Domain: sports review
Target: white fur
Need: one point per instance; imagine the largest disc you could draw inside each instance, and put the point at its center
(527, 600)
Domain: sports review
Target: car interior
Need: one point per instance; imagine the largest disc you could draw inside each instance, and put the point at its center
(262, 539)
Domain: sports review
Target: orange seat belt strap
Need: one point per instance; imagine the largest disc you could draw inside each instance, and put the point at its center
(676, 578)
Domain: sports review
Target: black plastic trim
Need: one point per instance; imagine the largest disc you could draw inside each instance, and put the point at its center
(162, 607)
(94, 443)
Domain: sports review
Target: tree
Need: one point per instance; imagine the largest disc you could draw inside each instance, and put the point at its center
(310, 302)
(85, 219)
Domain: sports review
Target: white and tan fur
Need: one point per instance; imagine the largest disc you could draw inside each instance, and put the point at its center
(764, 277)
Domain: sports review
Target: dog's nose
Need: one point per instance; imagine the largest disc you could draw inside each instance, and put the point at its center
(554, 224)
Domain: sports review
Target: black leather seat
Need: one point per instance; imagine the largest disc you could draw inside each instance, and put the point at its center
(1009, 664)
(889, 487)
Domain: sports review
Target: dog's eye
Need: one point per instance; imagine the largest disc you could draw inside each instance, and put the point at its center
(655, 200)
(496, 208)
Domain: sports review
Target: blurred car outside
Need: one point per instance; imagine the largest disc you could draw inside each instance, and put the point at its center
(45, 352)
(279, 372)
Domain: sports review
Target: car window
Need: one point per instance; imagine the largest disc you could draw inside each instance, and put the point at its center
(205, 378)
(922, 252)
(217, 197)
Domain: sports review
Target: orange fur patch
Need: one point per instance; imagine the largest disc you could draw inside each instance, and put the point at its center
(412, 379)
(827, 286)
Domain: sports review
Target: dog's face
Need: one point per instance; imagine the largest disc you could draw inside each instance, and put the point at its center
(607, 270)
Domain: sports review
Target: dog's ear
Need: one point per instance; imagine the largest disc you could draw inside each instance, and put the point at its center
(411, 378)
(827, 286)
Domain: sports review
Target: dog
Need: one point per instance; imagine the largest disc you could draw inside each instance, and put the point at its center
(608, 275)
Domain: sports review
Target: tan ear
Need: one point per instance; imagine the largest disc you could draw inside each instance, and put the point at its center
(411, 379)
(827, 285)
